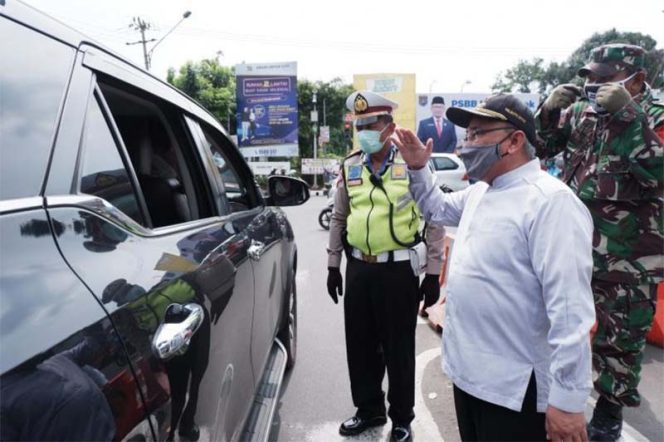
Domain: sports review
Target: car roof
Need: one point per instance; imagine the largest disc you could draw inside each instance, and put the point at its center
(26, 15)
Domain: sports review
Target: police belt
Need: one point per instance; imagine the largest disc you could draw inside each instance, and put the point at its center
(391, 256)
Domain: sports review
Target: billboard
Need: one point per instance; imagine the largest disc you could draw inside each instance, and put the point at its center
(267, 109)
(396, 87)
(424, 108)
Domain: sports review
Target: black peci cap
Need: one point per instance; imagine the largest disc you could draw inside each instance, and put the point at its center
(502, 107)
(437, 100)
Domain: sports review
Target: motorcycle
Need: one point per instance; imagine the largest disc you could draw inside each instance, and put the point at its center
(326, 214)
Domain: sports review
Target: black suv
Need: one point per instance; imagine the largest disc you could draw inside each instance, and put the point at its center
(147, 287)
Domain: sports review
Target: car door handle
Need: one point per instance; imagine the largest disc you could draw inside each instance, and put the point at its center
(255, 250)
(173, 338)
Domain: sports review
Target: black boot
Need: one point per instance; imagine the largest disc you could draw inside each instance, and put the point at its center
(606, 424)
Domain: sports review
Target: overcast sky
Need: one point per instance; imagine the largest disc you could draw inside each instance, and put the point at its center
(445, 43)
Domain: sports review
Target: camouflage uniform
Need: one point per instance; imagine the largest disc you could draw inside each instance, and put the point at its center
(615, 164)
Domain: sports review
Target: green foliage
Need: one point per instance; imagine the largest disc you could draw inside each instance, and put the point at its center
(334, 94)
(531, 76)
(211, 84)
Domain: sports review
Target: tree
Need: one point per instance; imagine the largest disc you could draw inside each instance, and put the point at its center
(554, 73)
(210, 84)
(334, 94)
(214, 87)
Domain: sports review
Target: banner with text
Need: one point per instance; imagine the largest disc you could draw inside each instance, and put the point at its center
(267, 109)
(319, 166)
(269, 167)
(467, 100)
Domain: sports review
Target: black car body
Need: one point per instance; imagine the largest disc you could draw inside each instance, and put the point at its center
(147, 287)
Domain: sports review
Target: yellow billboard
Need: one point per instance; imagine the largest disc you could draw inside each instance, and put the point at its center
(396, 87)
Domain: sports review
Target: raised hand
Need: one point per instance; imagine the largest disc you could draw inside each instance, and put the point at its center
(413, 152)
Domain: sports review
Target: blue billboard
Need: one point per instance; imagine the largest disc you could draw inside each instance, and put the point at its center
(267, 121)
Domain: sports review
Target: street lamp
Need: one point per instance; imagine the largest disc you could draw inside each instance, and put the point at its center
(314, 124)
(465, 83)
(149, 55)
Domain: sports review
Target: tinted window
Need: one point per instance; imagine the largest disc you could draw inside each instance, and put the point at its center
(238, 194)
(161, 151)
(103, 172)
(442, 163)
(33, 79)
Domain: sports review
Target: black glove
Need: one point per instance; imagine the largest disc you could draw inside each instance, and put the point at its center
(429, 289)
(334, 283)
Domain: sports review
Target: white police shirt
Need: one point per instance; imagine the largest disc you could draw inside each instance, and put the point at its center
(518, 291)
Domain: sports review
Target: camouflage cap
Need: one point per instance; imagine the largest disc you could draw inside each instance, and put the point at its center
(609, 59)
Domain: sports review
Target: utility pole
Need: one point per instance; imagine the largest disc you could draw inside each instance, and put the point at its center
(141, 25)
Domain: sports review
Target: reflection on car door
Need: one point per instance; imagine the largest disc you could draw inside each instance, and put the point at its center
(266, 241)
(65, 374)
(143, 233)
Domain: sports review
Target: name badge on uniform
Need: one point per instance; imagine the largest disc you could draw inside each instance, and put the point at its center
(355, 175)
(398, 172)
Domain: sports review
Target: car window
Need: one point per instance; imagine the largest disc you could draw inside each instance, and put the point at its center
(161, 152)
(103, 172)
(239, 194)
(443, 163)
(30, 99)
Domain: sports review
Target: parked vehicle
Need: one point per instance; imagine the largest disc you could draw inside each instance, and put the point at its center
(147, 287)
(449, 170)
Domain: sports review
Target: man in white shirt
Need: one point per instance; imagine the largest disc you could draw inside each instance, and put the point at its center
(519, 304)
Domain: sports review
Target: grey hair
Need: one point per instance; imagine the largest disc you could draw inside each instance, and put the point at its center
(529, 149)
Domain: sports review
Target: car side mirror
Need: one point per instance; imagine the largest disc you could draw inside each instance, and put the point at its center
(286, 191)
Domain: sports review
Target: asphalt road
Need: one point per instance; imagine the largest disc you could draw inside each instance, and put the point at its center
(315, 397)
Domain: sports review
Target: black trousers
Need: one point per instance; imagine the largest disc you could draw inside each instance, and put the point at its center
(483, 421)
(380, 309)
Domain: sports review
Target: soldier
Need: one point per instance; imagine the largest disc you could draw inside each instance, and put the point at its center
(614, 162)
(377, 220)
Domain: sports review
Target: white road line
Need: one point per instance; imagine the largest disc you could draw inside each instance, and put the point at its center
(424, 426)
(629, 433)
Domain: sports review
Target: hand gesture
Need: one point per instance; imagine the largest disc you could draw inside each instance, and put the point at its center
(562, 97)
(613, 97)
(413, 152)
(564, 426)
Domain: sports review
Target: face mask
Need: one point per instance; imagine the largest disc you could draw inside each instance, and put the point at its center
(370, 140)
(591, 89)
(479, 159)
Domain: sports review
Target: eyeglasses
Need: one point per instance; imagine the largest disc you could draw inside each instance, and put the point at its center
(473, 134)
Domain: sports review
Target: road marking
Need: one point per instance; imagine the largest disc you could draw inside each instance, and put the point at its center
(629, 433)
(424, 426)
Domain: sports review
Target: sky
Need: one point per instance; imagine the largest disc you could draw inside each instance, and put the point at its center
(451, 46)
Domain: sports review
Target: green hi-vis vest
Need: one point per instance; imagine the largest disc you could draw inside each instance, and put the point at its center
(368, 224)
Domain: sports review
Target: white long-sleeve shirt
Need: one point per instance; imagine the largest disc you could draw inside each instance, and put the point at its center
(518, 292)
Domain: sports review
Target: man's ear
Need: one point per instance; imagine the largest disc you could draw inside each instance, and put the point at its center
(518, 141)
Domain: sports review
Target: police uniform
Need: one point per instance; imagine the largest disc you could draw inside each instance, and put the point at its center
(614, 164)
(376, 220)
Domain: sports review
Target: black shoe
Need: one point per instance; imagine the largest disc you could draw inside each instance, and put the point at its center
(356, 425)
(401, 433)
(606, 424)
(190, 434)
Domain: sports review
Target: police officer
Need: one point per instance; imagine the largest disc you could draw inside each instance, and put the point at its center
(377, 222)
(612, 143)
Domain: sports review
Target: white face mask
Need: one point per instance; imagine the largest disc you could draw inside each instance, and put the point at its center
(370, 140)
(590, 89)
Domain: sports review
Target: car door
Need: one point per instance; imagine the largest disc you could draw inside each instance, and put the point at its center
(148, 230)
(64, 372)
(267, 248)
